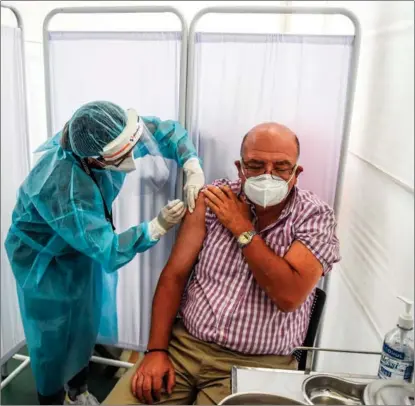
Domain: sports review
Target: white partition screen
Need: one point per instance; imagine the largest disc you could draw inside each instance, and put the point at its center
(14, 168)
(139, 70)
(240, 80)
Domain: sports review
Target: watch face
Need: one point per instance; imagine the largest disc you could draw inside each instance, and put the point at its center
(243, 239)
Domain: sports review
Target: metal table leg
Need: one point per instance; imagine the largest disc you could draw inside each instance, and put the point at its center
(311, 350)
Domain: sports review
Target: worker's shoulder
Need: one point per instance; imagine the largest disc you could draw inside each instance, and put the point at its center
(53, 174)
(155, 124)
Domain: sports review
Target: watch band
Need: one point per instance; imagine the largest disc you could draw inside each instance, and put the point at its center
(245, 238)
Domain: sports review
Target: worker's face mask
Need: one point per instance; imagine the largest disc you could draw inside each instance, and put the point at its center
(267, 190)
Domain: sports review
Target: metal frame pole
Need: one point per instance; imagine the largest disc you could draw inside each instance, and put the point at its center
(26, 361)
(20, 26)
(97, 360)
(311, 350)
(111, 362)
(114, 10)
(15, 373)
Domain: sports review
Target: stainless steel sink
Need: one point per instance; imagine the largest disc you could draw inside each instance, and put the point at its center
(331, 390)
(256, 398)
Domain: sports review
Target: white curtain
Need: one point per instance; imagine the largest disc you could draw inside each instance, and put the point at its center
(141, 71)
(244, 79)
(14, 168)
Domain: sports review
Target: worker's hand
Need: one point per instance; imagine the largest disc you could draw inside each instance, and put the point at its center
(232, 212)
(147, 382)
(195, 180)
(169, 216)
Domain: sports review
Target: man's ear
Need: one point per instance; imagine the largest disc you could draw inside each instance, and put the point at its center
(297, 174)
(238, 167)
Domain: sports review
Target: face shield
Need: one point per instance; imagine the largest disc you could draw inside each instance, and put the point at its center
(135, 151)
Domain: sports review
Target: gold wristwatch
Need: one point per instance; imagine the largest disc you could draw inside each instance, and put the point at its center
(245, 238)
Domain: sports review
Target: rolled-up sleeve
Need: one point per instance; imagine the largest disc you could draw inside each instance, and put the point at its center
(317, 231)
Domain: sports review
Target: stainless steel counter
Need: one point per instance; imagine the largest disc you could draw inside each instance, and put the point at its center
(278, 381)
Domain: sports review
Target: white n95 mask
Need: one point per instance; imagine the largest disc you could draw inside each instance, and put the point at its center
(266, 190)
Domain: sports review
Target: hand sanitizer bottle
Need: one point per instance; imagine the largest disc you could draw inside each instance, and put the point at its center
(397, 360)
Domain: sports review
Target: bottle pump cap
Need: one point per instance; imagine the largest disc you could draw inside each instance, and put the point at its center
(406, 320)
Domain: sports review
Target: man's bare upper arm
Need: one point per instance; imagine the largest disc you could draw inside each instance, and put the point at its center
(189, 241)
(308, 267)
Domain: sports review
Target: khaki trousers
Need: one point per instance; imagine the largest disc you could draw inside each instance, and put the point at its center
(202, 369)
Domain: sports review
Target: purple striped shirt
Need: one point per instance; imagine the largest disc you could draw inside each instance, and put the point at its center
(224, 304)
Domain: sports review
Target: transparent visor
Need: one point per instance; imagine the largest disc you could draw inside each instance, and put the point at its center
(147, 170)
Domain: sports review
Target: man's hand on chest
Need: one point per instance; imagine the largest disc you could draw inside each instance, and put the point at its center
(232, 212)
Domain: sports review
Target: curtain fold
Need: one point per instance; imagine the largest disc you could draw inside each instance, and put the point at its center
(134, 70)
(15, 167)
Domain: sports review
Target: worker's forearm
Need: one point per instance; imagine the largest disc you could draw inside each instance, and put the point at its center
(273, 273)
(166, 304)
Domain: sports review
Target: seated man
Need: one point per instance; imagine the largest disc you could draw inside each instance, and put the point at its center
(257, 247)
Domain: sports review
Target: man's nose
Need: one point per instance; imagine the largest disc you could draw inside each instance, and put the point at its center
(268, 168)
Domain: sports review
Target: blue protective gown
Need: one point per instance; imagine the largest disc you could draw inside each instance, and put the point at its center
(59, 246)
